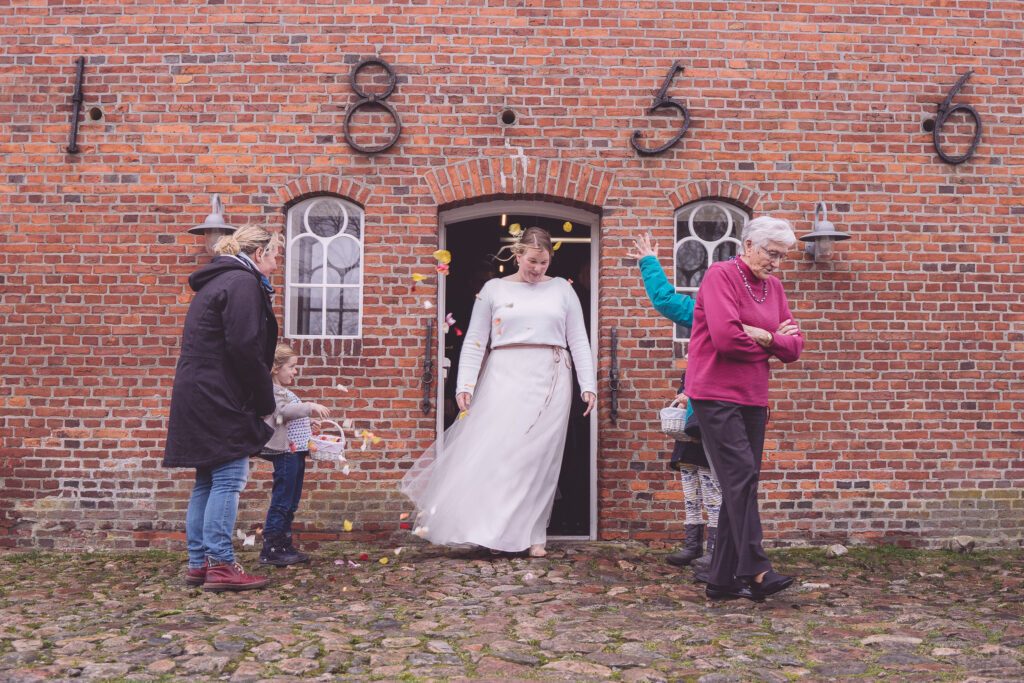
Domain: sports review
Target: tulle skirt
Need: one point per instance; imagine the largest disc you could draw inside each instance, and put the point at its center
(493, 483)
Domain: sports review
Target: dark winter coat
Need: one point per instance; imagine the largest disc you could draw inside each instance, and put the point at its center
(222, 385)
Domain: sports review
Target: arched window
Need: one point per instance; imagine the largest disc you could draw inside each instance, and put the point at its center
(706, 231)
(324, 269)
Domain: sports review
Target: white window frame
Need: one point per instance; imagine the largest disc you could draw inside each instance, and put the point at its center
(732, 234)
(301, 212)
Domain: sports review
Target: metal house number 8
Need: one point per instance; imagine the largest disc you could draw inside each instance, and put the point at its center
(369, 99)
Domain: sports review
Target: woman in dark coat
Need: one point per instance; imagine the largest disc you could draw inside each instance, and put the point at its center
(222, 390)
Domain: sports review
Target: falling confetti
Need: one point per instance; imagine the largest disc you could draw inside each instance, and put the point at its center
(428, 304)
(404, 515)
(558, 245)
(442, 268)
(416, 279)
(383, 560)
(463, 414)
(443, 256)
(449, 321)
(420, 531)
(240, 534)
(515, 230)
(347, 424)
(567, 226)
(249, 541)
(346, 525)
(398, 551)
(346, 469)
(341, 387)
(354, 565)
(364, 557)
(342, 562)
(404, 525)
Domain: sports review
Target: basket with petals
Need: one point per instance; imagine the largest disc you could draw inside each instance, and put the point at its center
(673, 421)
(330, 447)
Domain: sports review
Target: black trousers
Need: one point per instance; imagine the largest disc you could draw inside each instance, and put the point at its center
(733, 438)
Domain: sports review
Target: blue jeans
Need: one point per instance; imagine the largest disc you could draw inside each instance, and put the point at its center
(212, 510)
(289, 472)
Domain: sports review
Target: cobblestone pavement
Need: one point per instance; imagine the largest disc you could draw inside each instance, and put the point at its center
(586, 612)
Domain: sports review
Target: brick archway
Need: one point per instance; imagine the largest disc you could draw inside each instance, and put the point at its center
(715, 189)
(313, 185)
(520, 177)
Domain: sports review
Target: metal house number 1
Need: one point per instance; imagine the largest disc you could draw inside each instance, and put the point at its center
(662, 101)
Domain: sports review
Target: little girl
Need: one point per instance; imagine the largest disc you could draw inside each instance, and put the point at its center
(287, 449)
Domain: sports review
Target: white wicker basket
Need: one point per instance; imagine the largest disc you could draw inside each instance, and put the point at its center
(328, 447)
(673, 421)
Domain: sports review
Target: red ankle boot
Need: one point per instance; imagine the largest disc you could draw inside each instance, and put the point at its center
(229, 576)
(195, 576)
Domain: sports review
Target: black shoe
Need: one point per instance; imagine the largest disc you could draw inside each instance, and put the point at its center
(733, 592)
(692, 546)
(702, 575)
(292, 548)
(275, 552)
(772, 583)
(710, 539)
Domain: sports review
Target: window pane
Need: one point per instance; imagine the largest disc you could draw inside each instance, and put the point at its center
(711, 222)
(305, 308)
(343, 261)
(725, 251)
(342, 311)
(306, 256)
(327, 217)
(691, 262)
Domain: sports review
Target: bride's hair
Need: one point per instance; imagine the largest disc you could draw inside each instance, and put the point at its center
(531, 238)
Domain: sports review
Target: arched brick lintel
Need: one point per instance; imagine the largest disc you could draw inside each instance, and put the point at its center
(519, 177)
(715, 189)
(315, 185)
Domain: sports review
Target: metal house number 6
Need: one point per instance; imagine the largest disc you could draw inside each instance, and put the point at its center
(945, 111)
(662, 101)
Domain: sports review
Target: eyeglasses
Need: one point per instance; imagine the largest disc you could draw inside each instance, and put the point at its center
(773, 255)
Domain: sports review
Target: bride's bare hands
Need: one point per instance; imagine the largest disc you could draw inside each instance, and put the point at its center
(463, 400)
(591, 400)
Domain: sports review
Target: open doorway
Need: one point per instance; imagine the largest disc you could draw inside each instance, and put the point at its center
(474, 235)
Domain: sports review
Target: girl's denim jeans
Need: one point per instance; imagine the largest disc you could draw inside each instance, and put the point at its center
(289, 472)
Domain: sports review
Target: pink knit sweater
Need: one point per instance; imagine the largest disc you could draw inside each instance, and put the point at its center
(725, 364)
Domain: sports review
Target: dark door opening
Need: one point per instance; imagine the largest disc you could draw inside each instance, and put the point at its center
(473, 244)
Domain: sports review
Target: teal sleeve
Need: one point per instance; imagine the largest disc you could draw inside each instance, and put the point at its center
(689, 411)
(666, 300)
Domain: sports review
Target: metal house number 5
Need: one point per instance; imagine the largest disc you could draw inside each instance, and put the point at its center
(662, 101)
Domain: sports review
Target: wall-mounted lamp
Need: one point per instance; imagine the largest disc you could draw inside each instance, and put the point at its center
(214, 227)
(823, 233)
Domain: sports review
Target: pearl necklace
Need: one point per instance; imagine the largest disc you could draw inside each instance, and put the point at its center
(750, 291)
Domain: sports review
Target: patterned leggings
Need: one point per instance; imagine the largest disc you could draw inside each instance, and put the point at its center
(701, 490)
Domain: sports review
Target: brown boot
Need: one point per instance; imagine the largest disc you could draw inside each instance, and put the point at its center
(229, 576)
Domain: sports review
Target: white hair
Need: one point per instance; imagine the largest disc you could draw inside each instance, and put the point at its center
(765, 229)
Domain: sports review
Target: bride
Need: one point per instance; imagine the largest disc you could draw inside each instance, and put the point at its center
(493, 484)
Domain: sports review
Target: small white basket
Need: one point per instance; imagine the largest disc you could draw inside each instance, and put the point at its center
(673, 421)
(328, 447)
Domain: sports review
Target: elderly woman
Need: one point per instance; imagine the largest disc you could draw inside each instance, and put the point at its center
(739, 301)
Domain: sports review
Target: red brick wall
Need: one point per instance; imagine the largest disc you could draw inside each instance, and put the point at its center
(900, 422)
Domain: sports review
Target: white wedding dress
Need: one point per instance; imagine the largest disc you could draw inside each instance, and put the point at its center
(493, 484)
